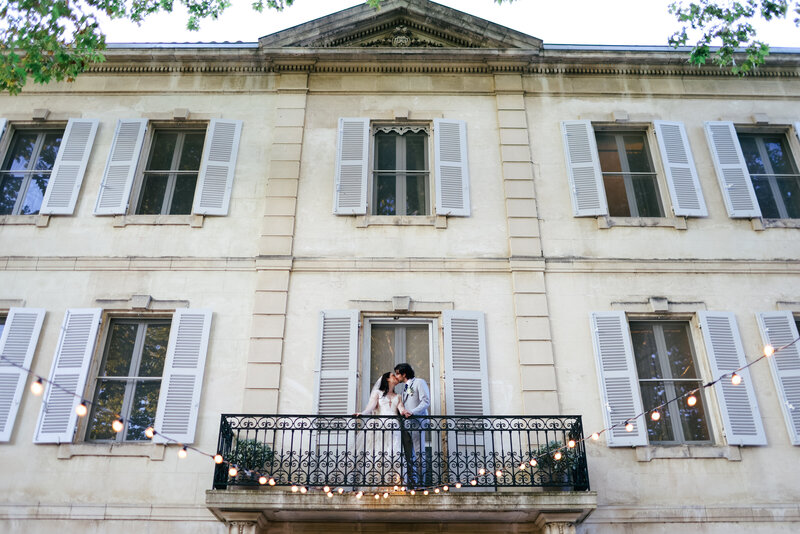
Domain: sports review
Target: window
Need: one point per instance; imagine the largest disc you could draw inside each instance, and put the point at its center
(628, 177)
(391, 343)
(170, 176)
(401, 181)
(26, 170)
(667, 369)
(773, 173)
(129, 380)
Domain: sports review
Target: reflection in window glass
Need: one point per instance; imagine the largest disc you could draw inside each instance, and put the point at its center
(773, 174)
(628, 175)
(393, 344)
(170, 178)
(667, 370)
(26, 171)
(401, 182)
(129, 380)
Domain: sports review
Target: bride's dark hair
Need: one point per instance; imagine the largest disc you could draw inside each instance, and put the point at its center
(384, 385)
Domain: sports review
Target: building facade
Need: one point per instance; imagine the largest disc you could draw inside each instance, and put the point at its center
(264, 228)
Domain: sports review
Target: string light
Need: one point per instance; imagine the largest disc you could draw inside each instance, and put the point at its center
(436, 490)
(232, 472)
(339, 491)
(445, 488)
(498, 473)
(303, 490)
(37, 386)
(595, 436)
(557, 456)
(691, 400)
(458, 485)
(262, 480)
(118, 425)
(425, 492)
(271, 481)
(769, 350)
(656, 415)
(571, 444)
(736, 379)
(217, 459)
(386, 495)
(81, 409)
(628, 426)
(377, 496)
(413, 492)
(473, 482)
(182, 453)
(482, 471)
(359, 494)
(295, 489)
(326, 489)
(150, 432)
(329, 494)
(533, 462)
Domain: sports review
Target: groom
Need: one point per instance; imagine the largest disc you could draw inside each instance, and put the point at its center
(417, 401)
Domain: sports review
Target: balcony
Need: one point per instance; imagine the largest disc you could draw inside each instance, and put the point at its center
(300, 468)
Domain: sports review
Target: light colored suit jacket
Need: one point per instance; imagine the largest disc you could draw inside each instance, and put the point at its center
(417, 396)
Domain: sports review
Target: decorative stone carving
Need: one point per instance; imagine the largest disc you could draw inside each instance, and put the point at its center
(400, 130)
(402, 38)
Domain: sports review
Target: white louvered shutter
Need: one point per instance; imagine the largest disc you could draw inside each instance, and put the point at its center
(583, 169)
(336, 374)
(682, 179)
(779, 329)
(115, 191)
(352, 167)
(179, 398)
(215, 179)
(732, 173)
(619, 382)
(17, 345)
(57, 417)
(465, 363)
(451, 167)
(738, 404)
(70, 166)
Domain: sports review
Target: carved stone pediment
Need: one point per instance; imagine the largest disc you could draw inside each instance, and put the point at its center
(402, 37)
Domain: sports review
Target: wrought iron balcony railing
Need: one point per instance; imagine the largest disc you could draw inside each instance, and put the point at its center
(373, 451)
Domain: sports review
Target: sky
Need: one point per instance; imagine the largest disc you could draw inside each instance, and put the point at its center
(608, 22)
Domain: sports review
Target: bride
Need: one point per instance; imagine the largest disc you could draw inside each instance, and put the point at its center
(382, 452)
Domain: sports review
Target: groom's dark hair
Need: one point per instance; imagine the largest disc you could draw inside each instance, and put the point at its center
(404, 369)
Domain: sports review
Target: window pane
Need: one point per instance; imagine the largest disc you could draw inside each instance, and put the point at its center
(162, 151)
(2, 324)
(9, 190)
(679, 351)
(143, 409)
(151, 200)
(654, 394)
(778, 155)
(635, 149)
(752, 156)
(21, 152)
(415, 152)
(766, 200)
(382, 346)
(693, 419)
(648, 201)
(790, 193)
(49, 151)
(183, 197)
(154, 351)
(616, 196)
(107, 403)
(386, 194)
(33, 198)
(122, 340)
(192, 151)
(645, 351)
(418, 350)
(416, 195)
(608, 152)
(386, 151)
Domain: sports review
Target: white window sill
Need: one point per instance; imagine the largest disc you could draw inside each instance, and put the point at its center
(658, 452)
(439, 221)
(154, 451)
(605, 222)
(762, 224)
(25, 220)
(195, 221)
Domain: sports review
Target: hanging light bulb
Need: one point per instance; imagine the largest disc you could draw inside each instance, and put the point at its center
(330, 494)
(533, 462)
(182, 453)
(81, 409)
(396, 488)
(377, 496)
(628, 426)
(691, 400)
(445, 488)
(473, 482)
(436, 490)
(522, 466)
(736, 379)
(271, 481)
(498, 473)
(386, 495)
(326, 489)
(262, 480)
(359, 494)
(595, 436)
(656, 415)
(413, 492)
(402, 488)
(217, 459)
(295, 489)
(303, 489)
(340, 491)
(769, 350)
(557, 456)
(37, 387)
(458, 485)
(482, 471)
(571, 444)
(232, 472)
(118, 425)
(149, 432)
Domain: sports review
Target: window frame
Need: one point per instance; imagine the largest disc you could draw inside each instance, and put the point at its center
(646, 131)
(400, 183)
(12, 129)
(154, 127)
(98, 361)
(669, 381)
(758, 133)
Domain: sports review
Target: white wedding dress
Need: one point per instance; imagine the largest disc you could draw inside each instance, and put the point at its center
(380, 459)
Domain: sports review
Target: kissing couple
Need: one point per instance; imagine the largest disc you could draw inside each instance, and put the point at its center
(415, 400)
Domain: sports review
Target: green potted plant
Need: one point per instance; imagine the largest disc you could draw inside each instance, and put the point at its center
(251, 455)
(554, 470)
